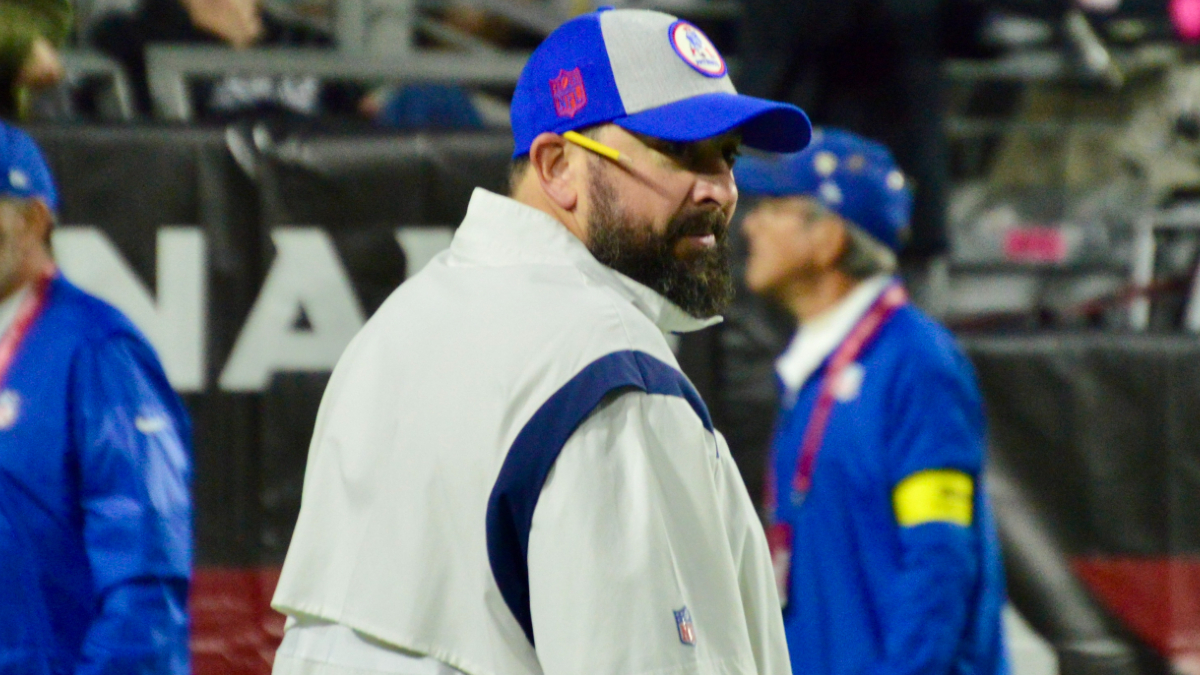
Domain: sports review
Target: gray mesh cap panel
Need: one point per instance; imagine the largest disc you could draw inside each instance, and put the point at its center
(645, 66)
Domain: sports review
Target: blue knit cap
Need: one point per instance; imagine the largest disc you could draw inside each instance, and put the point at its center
(850, 175)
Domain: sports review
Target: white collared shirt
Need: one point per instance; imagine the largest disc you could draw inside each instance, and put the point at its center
(818, 337)
(643, 551)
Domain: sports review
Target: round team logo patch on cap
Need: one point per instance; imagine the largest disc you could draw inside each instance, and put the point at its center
(696, 50)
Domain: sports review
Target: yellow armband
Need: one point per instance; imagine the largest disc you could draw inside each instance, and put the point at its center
(936, 495)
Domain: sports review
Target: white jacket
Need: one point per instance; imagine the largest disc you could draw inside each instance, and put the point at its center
(508, 455)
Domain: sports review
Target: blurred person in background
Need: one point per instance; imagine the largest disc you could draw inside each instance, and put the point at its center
(433, 105)
(238, 24)
(883, 543)
(423, 106)
(95, 514)
(31, 31)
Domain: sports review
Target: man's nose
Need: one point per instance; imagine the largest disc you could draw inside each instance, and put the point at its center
(718, 188)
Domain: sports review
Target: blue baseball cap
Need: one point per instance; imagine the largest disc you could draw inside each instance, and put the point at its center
(23, 170)
(850, 175)
(649, 73)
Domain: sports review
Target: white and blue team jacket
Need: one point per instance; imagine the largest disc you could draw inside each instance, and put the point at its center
(95, 515)
(896, 566)
(510, 475)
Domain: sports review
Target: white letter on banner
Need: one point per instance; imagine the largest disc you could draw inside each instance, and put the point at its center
(421, 244)
(174, 323)
(306, 276)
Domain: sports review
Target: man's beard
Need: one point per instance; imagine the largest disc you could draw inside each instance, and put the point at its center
(701, 284)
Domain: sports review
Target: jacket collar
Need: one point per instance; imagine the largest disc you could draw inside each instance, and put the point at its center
(500, 231)
(817, 338)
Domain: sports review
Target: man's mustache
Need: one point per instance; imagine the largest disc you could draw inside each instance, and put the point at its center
(698, 223)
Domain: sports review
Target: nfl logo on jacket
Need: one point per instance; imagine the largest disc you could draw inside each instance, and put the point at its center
(687, 632)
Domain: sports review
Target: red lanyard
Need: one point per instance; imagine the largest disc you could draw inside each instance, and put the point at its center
(814, 434)
(30, 309)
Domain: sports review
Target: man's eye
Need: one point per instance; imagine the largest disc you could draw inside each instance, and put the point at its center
(731, 155)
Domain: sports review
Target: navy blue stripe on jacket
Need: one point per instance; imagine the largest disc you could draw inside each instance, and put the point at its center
(533, 453)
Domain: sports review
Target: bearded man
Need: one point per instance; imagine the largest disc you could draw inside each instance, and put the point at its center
(509, 474)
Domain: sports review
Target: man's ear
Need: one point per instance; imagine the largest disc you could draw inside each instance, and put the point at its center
(551, 163)
(39, 219)
(830, 241)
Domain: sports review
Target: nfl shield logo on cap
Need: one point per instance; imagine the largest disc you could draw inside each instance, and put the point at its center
(569, 94)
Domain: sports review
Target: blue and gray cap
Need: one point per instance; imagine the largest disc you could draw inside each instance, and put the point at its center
(850, 175)
(23, 170)
(647, 72)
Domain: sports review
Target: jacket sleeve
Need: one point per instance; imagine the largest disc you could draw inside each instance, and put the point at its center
(632, 565)
(132, 442)
(760, 595)
(939, 442)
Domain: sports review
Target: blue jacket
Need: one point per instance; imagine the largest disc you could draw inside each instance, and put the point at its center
(867, 596)
(95, 517)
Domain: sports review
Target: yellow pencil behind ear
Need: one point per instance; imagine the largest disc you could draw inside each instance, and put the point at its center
(595, 146)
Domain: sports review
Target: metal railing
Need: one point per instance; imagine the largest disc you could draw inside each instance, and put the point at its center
(81, 64)
(1180, 218)
(171, 67)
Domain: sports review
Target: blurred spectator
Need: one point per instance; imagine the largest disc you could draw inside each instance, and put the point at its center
(449, 106)
(872, 66)
(30, 33)
(95, 511)
(423, 106)
(884, 547)
(239, 24)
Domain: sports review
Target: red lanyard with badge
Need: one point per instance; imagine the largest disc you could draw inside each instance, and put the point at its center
(780, 534)
(30, 309)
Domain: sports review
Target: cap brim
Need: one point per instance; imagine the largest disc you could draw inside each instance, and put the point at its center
(773, 178)
(765, 125)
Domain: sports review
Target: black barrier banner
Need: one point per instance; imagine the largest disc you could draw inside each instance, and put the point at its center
(250, 260)
(250, 257)
(360, 191)
(1096, 447)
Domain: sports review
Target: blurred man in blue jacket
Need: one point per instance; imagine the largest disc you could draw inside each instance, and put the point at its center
(95, 517)
(884, 548)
